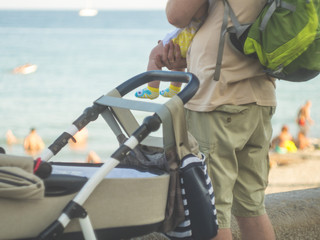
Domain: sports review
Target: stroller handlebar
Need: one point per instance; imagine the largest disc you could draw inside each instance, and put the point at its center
(186, 94)
(92, 113)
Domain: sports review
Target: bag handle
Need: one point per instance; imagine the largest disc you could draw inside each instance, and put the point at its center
(176, 108)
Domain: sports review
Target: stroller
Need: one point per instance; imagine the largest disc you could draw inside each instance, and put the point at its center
(136, 190)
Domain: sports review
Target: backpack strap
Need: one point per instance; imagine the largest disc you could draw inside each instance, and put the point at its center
(223, 31)
(237, 28)
(274, 5)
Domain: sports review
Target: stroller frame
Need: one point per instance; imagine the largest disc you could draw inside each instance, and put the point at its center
(112, 107)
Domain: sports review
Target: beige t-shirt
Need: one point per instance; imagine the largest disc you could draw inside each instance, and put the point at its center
(242, 79)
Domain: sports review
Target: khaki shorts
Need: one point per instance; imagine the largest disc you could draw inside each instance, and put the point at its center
(235, 140)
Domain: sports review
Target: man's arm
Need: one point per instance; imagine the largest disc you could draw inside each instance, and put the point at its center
(180, 12)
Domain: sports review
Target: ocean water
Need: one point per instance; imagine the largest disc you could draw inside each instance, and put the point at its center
(80, 59)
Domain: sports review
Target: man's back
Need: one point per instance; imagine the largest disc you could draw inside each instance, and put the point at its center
(252, 84)
(33, 143)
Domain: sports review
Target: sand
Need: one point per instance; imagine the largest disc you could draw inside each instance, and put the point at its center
(294, 171)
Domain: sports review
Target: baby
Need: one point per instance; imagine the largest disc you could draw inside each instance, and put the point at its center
(182, 37)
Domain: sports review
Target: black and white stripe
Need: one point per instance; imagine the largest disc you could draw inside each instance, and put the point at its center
(184, 229)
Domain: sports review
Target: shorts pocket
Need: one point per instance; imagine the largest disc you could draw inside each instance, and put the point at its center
(232, 108)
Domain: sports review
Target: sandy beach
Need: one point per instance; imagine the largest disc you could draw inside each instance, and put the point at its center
(294, 171)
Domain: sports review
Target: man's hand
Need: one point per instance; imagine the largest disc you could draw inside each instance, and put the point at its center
(171, 57)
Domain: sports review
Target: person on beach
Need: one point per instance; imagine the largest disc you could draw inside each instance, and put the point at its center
(33, 143)
(93, 157)
(80, 140)
(11, 138)
(181, 37)
(304, 119)
(230, 118)
(284, 142)
(303, 142)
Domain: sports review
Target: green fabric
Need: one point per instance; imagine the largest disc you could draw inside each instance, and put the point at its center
(288, 35)
(310, 59)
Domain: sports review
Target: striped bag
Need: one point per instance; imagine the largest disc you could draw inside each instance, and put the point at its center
(198, 200)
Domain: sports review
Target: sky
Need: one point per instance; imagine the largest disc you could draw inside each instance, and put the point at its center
(79, 4)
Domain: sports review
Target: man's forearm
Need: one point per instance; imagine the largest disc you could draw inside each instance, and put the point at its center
(181, 12)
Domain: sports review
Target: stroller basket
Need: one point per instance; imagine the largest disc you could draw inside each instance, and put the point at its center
(112, 200)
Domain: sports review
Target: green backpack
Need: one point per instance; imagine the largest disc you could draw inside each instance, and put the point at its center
(285, 38)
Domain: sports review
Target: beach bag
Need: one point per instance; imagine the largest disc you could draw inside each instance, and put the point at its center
(284, 37)
(190, 209)
(200, 220)
(199, 202)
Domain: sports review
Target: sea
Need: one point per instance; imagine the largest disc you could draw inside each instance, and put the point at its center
(80, 59)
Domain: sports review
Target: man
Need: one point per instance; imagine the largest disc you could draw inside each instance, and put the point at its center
(230, 118)
(33, 143)
(304, 119)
